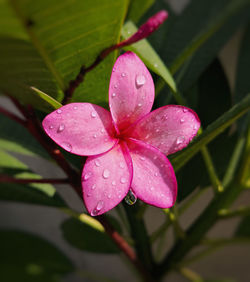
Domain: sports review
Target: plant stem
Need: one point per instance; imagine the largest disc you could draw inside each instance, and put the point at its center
(242, 211)
(140, 236)
(7, 179)
(190, 274)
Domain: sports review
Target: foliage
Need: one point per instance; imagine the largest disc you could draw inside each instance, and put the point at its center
(48, 45)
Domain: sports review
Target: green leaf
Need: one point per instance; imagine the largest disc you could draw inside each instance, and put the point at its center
(146, 52)
(15, 138)
(27, 257)
(243, 229)
(68, 36)
(54, 104)
(211, 132)
(83, 236)
(137, 8)
(200, 38)
(35, 193)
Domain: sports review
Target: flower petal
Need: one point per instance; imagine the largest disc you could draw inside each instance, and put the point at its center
(81, 128)
(106, 179)
(154, 180)
(168, 128)
(131, 90)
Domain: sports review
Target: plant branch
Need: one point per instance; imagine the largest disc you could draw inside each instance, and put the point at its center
(12, 116)
(8, 179)
(241, 211)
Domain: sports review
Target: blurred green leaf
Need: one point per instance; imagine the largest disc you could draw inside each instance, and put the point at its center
(146, 52)
(199, 38)
(26, 257)
(68, 36)
(35, 193)
(15, 138)
(211, 98)
(243, 229)
(83, 236)
(137, 8)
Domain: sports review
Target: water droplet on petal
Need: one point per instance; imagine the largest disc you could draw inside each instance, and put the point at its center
(180, 140)
(94, 135)
(156, 173)
(102, 130)
(100, 205)
(106, 173)
(182, 120)
(157, 130)
(123, 74)
(88, 195)
(131, 198)
(185, 110)
(123, 180)
(51, 127)
(115, 86)
(140, 80)
(66, 146)
(93, 187)
(60, 128)
(113, 94)
(142, 158)
(97, 163)
(109, 196)
(152, 188)
(113, 183)
(87, 176)
(195, 127)
(140, 104)
(75, 108)
(93, 114)
(59, 111)
(122, 165)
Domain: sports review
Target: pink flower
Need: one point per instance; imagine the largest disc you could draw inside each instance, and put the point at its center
(127, 146)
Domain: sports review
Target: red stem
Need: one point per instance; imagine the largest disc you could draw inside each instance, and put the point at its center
(33, 125)
(7, 179)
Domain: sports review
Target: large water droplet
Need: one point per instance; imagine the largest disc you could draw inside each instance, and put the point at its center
(140, 80)
(100, 205)
(180, 140)
(86, 176)
(97, 163)
(66, 146)
(93, 114)
(123, 180)
(106, 173)
(59, 111)
(60, 128)
(131, 198)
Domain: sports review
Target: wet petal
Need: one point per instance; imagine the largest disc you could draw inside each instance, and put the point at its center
(81, 128)
(106, 179)
(131, 90)
(168, 128)
(154, 180)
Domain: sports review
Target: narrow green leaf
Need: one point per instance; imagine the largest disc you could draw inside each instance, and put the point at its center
(137, 9)
(212, 131)
(83, 236)
(51, 101)
(146, 52)
(69, 36)
(27, 257)
(35, 193)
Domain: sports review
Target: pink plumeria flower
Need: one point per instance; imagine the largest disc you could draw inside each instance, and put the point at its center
(127, 146)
